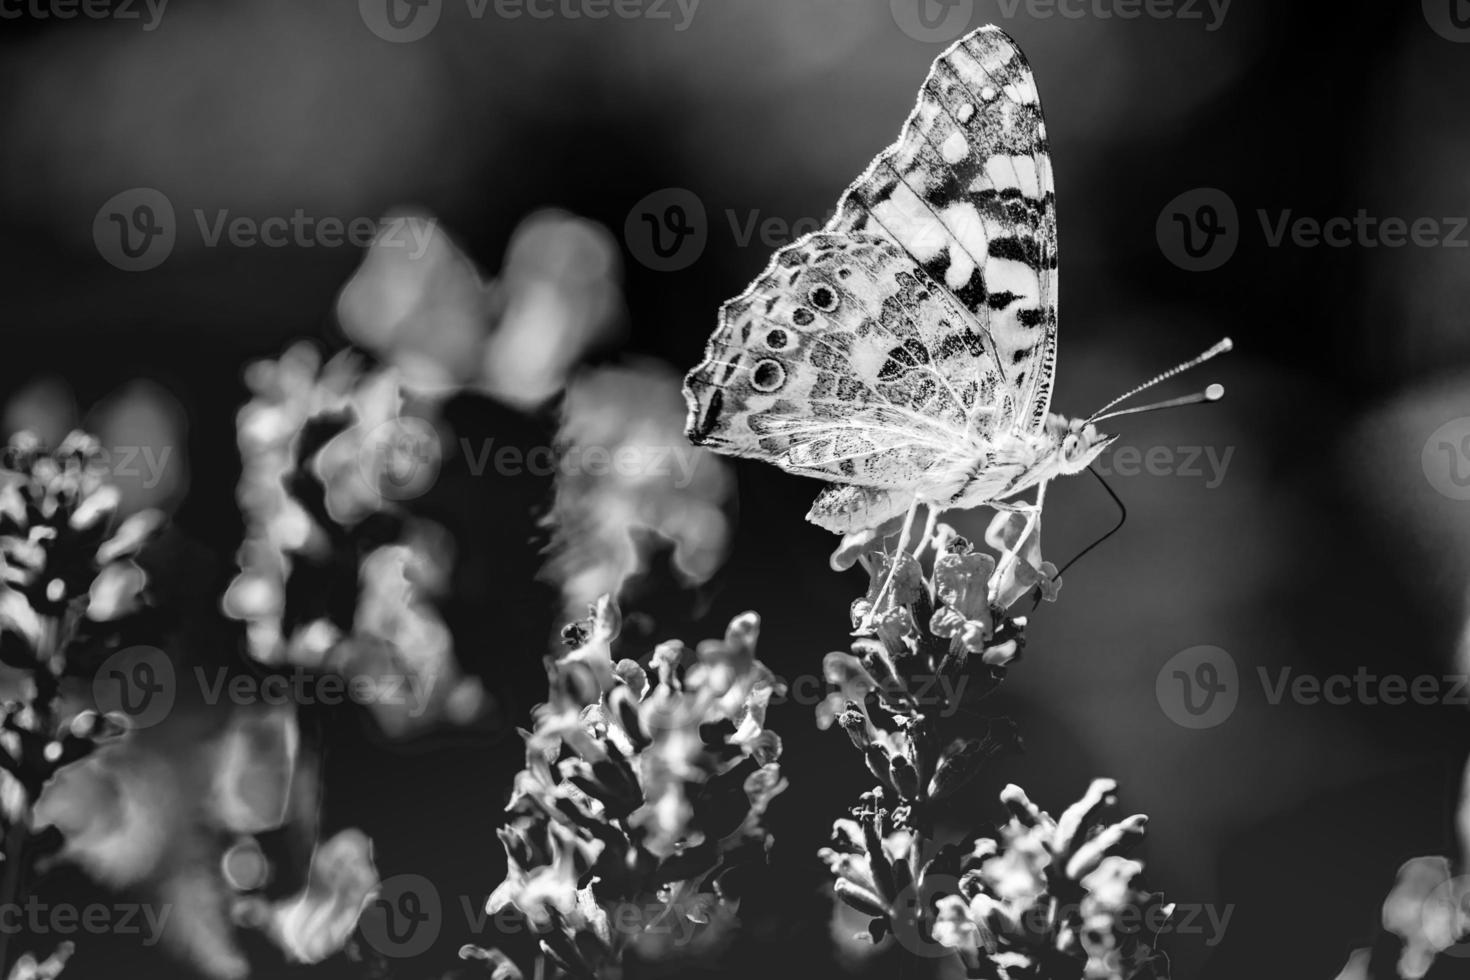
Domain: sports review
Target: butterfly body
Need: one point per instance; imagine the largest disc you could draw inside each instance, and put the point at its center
(1016, 462)
(905, 353)
(986, 474)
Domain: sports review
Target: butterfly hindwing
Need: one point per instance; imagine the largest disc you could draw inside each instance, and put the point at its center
(846, 361)
(968, 192)
(845, 508)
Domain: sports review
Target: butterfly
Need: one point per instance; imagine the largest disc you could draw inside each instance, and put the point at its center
(905, 352)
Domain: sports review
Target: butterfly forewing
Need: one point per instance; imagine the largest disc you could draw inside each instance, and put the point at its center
(968, 192)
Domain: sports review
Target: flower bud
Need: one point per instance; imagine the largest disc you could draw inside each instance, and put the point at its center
(905, 778)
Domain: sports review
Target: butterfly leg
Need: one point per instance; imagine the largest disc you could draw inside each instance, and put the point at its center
(903, 546)
(930, 523)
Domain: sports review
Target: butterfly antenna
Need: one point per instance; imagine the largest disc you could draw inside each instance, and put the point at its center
(1122, 519)
(1211, 394)
(1222, 347)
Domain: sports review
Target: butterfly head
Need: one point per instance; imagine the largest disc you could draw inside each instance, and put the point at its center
(1077, 443)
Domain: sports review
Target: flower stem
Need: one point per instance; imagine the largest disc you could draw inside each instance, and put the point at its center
(12, 882)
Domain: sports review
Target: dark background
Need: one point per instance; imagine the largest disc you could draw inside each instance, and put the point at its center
(1326, 546)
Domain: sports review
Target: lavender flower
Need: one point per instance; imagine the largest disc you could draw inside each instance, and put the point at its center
(1042, 898)
(933, 647)
(644, 789)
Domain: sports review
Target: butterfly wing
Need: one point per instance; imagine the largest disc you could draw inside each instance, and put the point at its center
(892, 352)
(968, 192)
(845, 361)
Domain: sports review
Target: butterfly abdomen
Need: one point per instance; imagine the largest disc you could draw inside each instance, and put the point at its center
(1003, 469)
(845, 508)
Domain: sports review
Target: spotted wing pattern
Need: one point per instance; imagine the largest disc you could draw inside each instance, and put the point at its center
(845, 361)
(968, 192)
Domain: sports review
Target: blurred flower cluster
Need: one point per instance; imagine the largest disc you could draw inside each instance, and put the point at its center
(338, 571)
(642, 798)
(1423, 916)
(516, 337)
(520, 338)
(346, 569)
(341, 569)
(335, 574)
(71, 594)
(70, 586)
(661, 486)
(1424, 923)
(1045, 898)
(74, 604)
